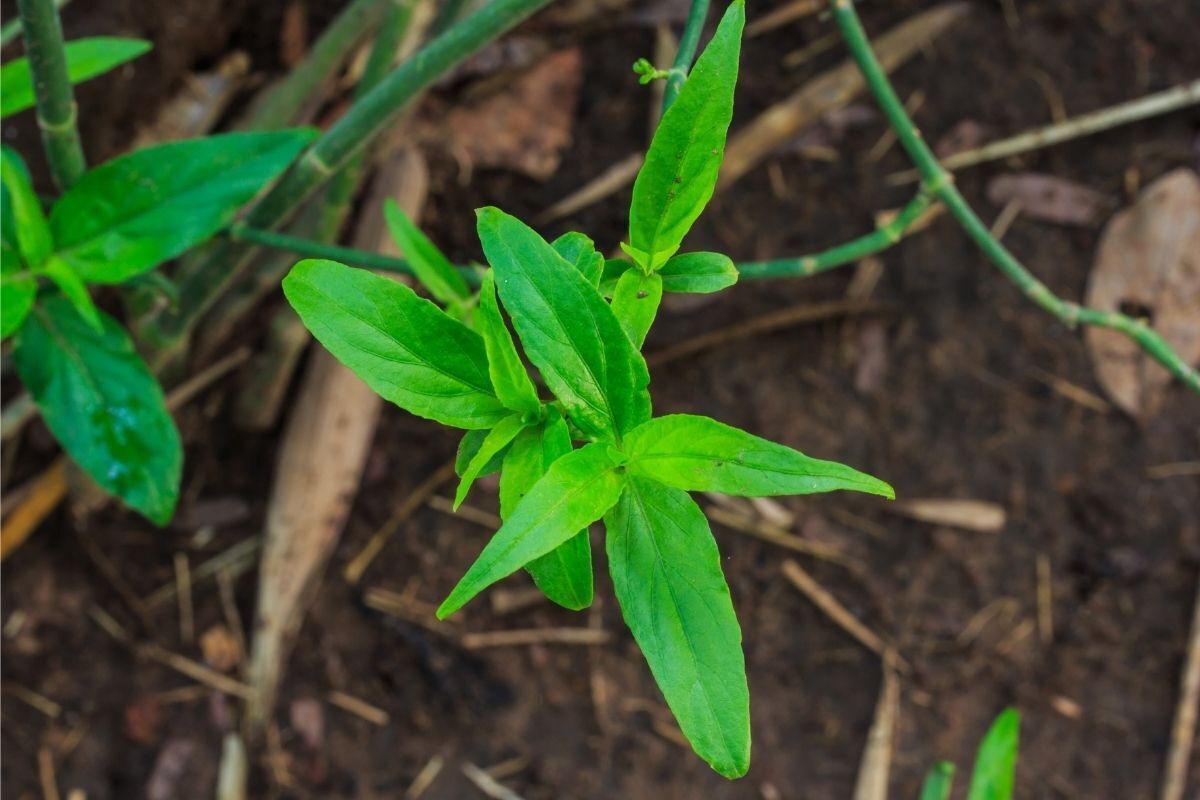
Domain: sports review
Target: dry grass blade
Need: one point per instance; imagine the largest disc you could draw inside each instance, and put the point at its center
(487, 784)
(406, 608)
(425, 778)
(233, 561)
(1183, 731)
(359, 708)
(516, 638)
(761, 529)
(969, 515)
(790, 12)
(482, 518)
(612, 180)
(876, 764)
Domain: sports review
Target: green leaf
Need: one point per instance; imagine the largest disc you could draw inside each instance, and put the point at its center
(995, 769)
(575, 492)
(569, 332)
(18, 288)
(580, 250)
(73, 289)
(86, 59)
(614, 268)
(509, 376)
(405, 347)
(492, 445)
(468, 446)
(938, 782)
(23, 211)
(698, 273)
(680, 172)
(103, 405)
(133, 213)
(432, 268)
(667, 575)
(565, 573)
(635, 302)
(702, 455)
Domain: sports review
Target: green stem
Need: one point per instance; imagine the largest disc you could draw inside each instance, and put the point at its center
(12, 29)
(365, 120)
(56, 109)
(448, 14)
(878, 240)
(689, 42)
(940, 184)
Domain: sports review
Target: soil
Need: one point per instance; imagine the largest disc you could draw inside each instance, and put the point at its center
(957, 407)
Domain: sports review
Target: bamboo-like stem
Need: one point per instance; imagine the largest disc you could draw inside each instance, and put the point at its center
(940, 183)
(689, 42)
(56, 109)
(12, 29)
(366, 119)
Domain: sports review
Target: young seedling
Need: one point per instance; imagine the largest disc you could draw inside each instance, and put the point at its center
(631, 469)
(995, 765)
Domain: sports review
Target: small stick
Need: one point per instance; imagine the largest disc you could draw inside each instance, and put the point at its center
(487, 784)
(797, 9)
(469, 513)
(113, 575)
(183, 582)
(507, 768)
(761, 529)
(1175, 469)
(425, 778)
(358, 565)
(1071, 391)
(185, 391)
(235, 560)
(515, 638)
(409, 610)
(888, 138)
(31, 698)
(20, 410)
(612, 180)
(195, 670)
(876, 764)
(359, 708)
(823, 600)
(46, 774)
(229, 608)
(234, 769)
(1183, 731)
(184, 694)
(1045, 596)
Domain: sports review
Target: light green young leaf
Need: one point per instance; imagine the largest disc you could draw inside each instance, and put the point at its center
(468, 446)
(667, 575)
(513, 384)
(580, 250)
(131, 214)
(994, 773)
(429, 264)
(18, 288)
(698, 273)
(938, 782)
(565, 573)
(23, 211)
(103, 405)
(635, 302)
(569, 332)
(405, 347)
(496, 440)
(575, 492)
(702, 455)
(86, 59)
(73, 289)
(680, 172)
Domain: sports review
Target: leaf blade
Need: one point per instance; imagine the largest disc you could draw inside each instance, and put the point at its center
(23, 211)
(496, 440)
(635, 301)
(698, 273)
(994, 773)
(87, 58)
(513, 384)
(430, 265)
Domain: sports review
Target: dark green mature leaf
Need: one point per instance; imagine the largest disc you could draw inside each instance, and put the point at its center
(86, 59)
(667, 575)
(680, 172)
(513, 384)
(614, 268)
(635, 302)
(938, 782)
(701, 454)
(137, 211)
(103, 405)
(569, 332)
(565, 573)
(492, 445)
(580, 250)
(429, 264)
(25, 221)
(405, 347)
(698, 273)
(994, 773)
(575, 492)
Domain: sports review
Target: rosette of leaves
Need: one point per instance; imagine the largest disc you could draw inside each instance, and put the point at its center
(590, 448)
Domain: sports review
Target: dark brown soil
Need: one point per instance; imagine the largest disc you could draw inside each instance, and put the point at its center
(959, 411)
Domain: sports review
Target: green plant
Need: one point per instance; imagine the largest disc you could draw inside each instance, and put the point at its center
(995, 764)
(633, 470)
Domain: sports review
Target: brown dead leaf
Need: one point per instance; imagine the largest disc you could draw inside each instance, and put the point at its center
(1049, 198)
(1148, 264)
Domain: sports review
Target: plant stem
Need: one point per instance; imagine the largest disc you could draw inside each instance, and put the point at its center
(56, 109)
(940, 183)
(365, 120)
(12, 29)
(689, 42)
(878, 240)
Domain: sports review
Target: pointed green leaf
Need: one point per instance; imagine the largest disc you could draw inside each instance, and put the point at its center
(568, 331)
(73, 289)
(702, 455)
(698, 273)
(635, 302)
(994, 773)
(86, 59)
(496, 440)
(938, 782)
(405, 347)
(18, 289)
(468, 446)
(680, 172)
(23, 211)
(667, 575)
(575, 492)
(513, 384)
(103, 405)
(580, 250)
(432, 268)
(565, 573)
(133, 213)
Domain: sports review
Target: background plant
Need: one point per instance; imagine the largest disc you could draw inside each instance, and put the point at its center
(994, 773)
